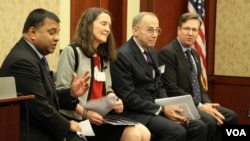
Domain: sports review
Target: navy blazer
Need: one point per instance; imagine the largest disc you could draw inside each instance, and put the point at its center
(45, 122)
(177, 77)
(134, 84)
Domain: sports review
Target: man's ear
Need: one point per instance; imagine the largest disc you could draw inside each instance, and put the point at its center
(135, 31)
(32, 32)
(178, 29)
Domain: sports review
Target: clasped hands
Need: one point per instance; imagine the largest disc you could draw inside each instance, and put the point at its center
(176, 114)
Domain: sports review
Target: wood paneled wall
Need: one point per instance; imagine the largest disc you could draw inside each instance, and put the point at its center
(231, 92)
(118, 8)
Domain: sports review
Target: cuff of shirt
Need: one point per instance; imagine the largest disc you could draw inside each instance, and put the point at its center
(199, 105)
(158, 111)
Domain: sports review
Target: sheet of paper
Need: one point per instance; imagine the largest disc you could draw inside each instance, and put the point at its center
(86, 129)
(101, 105)
(185, 102)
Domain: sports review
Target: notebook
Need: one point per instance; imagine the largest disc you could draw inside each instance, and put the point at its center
(7, 87)
(184, 101)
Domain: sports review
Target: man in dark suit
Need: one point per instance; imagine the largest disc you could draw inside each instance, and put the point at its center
(136, 80)
(177, 78)
(39, 118)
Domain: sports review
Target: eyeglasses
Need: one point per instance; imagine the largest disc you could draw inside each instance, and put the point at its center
(152, 30)
(188, 29)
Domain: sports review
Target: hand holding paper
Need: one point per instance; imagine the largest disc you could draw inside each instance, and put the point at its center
(176, 114)
(185, 102)
(86, 129)
(101, 105)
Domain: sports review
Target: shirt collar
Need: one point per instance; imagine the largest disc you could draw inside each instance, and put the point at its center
(183, 48)
(142, 49)
(34, 48)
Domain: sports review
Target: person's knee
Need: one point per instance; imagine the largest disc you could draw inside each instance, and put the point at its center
(131, 133)
(182, 131)
(145, 133)
(202, 128)
(234, 119)
(211, 123)
(134, 133)
(179, 133)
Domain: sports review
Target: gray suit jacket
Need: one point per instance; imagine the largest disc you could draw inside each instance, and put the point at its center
(134, 84)
(64, 76)
(177, 78)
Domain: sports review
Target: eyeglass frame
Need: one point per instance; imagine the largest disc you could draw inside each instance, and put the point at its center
(152, 30)
(188, 29)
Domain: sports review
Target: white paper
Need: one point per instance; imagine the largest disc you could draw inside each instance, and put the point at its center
(185, 102)
(101, 105)
(86, 128)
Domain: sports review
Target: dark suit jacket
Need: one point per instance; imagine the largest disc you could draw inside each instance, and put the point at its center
(177, 77)
(45, 122)
(133, 83)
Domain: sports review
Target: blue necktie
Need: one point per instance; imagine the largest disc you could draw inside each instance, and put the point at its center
(195, 82)
(45, 62)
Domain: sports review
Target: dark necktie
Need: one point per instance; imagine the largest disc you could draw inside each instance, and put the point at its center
(149, 60)
(195, 82)
(45, 62)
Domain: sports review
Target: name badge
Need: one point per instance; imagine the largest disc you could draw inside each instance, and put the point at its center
(99, 76)
(162, 69)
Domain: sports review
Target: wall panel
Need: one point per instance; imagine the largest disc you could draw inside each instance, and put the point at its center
(168, 13)
(118, 8)
(232, 92)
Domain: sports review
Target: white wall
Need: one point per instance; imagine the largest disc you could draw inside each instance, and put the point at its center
(65, 23)
(133, 9)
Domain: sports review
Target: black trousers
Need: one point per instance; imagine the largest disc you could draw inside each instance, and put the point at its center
(163, 129)
(214, 131)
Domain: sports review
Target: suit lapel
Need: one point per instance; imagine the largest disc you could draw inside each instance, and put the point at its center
(183, 59)
(49, 82)
(139, 56)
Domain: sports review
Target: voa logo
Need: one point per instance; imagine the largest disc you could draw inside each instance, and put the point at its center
(236, 132)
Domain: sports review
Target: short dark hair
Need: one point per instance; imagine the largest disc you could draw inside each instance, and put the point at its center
(188, 16)
(36, 18)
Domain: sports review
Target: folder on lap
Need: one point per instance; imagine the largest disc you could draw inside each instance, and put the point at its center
(185, 102)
